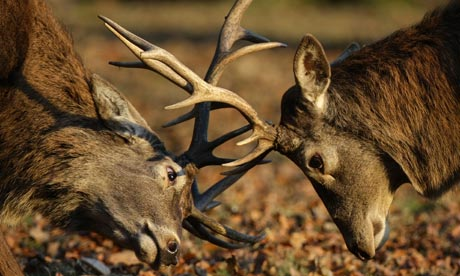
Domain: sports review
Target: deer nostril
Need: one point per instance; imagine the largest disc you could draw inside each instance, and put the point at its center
(363, 255)
(173, 247)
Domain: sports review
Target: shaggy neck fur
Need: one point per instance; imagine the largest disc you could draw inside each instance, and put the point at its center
(403, 94)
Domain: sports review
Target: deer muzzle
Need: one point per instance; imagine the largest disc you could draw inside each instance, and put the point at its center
(158, 248)
(364, 242)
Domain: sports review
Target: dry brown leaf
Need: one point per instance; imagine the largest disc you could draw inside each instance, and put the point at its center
(126, 257)
(297, 240)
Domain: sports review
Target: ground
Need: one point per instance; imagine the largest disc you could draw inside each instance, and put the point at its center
(276, 198)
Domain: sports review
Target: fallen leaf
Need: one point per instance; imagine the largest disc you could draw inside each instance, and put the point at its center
(126, 257)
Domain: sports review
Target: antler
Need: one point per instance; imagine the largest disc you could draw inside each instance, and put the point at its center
(206, 96)
(353, 47)
(157, 59)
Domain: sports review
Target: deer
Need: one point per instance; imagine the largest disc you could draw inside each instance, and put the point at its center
(74, 149)
(376, 118)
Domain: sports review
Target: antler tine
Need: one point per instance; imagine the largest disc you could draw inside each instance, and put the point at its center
(353, 47)
(259, 160)
(138, 46)
(232, 32)
(207, 197)
(193, 114)
(129, 64)
(222, 229)
(205, 201)
(200, 150)
(201, 232)
(198, 219)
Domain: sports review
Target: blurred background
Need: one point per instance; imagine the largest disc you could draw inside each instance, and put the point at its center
(301, 238)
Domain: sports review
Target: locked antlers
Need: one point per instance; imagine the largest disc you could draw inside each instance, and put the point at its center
(205, 95)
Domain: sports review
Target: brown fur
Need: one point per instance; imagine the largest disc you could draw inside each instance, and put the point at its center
(73, 148)
(405, 94)
(390, 115)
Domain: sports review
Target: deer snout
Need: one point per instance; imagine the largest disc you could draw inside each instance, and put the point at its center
(169, 255)
(368, 239)
(168, 243)
(158, 246)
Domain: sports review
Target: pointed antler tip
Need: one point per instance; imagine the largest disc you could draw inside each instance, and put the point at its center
(235, 163)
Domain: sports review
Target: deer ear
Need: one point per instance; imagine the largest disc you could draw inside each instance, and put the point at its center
(312, 71)
(116, 111)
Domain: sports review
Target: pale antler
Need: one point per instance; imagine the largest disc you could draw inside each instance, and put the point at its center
(200, 151)
(157, 59)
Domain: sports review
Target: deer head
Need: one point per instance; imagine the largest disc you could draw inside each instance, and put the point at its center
(351, 175)
(74, 149)
(151, 224)
(200, 153)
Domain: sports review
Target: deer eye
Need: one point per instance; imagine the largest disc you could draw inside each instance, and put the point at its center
(316, 162)
(172, 175)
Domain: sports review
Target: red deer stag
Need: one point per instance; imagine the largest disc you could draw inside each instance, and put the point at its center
(378, 117)
(74, 149)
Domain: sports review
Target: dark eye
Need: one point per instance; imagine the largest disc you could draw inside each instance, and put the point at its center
(316, 162)
(172, 175)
